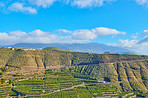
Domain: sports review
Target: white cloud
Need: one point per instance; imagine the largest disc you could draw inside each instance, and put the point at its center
(88, 3)
(17, 34)
(84, 34)
(142, 2)
(19, 7)
(107, 31)
(130, 45)
(31, 6)
(64, 31)
(79, 3)
(140, 46)
(127, 43)
(145, 33)
(94, 33)
(43, 3)
(38, 36)
(9, 38)
(134, 45)
(145, 39)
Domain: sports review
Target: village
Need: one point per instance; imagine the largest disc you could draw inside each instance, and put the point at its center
(21, 49)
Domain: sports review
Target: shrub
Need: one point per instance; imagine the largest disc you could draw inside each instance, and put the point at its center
(1, 73)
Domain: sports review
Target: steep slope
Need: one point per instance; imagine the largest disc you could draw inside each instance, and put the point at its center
(54, 56)
(25, 58)
(129, 72)
(5, 55)
(131, 75)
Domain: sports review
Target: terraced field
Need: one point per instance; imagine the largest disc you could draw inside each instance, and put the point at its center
(65, 74)
(61, 83)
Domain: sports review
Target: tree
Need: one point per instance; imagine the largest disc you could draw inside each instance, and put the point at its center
(10, 81)
(1, 73)
(49, 70)
(3, 81)
(4, 69)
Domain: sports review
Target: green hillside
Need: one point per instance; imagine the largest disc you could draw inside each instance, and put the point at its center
(130, 76)
(126, 73)
(56, 49)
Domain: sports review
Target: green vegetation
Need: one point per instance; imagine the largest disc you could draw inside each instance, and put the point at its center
(62, 83)
(1, 73)
(4, 69)
(71, 74)
(56, 49)
(14, 60)
(127, 79)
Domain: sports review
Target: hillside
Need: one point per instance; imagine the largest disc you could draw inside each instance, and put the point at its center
(76, 47)
(129, 75)
(128, 72)
(55, 56)
(56, 49)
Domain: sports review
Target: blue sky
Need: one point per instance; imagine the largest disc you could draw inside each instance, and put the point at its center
(121, 23)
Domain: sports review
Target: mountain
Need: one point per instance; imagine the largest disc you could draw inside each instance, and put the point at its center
(76, 47)
(127, 72)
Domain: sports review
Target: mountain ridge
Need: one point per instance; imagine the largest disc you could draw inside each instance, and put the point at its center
(76, 47)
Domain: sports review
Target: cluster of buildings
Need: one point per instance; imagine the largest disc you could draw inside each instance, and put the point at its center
(24, 49)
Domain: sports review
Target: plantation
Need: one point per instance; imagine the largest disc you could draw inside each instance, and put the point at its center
(57, 73)
(61, 83)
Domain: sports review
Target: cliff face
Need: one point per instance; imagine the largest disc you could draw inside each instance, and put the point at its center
(129, 72)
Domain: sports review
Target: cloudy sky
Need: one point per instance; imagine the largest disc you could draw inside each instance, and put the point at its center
(122, 23)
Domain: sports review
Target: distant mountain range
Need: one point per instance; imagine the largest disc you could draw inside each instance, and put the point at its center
(76, 47)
